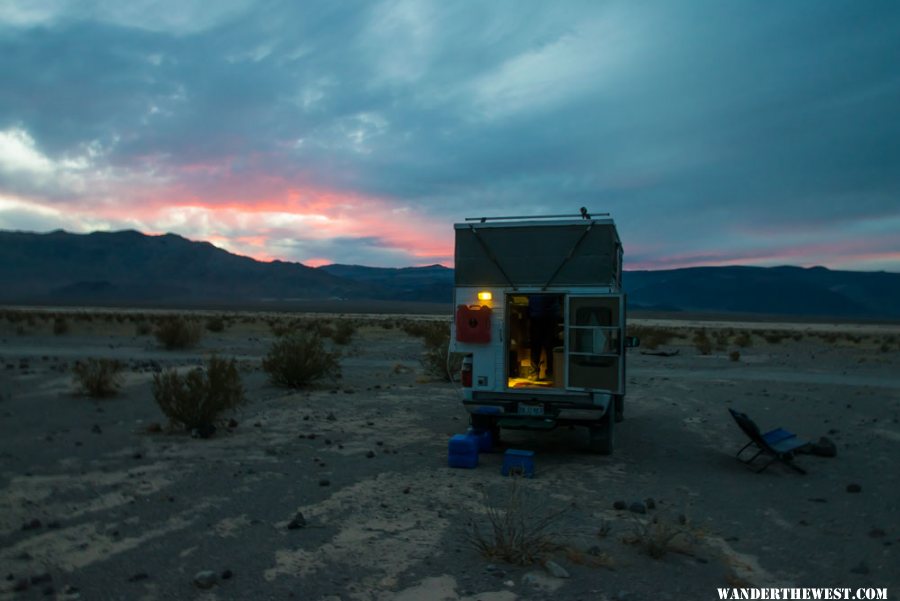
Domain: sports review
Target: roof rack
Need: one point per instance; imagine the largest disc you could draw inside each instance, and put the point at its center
(520, 217)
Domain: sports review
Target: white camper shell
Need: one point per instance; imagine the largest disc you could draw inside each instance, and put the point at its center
(540, 319)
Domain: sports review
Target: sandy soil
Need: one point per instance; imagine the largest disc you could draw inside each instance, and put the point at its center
(128, 514)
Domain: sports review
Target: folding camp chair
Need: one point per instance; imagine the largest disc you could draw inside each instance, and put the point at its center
(779, 444)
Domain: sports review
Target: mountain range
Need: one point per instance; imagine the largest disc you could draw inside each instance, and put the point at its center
(131, 268)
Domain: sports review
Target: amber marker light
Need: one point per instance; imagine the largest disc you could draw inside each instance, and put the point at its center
(485, 295)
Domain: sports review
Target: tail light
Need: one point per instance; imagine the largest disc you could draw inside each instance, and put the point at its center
(465, 374)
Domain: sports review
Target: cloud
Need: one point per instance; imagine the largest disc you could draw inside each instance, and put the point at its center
(708, 130)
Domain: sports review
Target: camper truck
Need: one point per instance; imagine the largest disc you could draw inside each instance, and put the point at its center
(540, 322)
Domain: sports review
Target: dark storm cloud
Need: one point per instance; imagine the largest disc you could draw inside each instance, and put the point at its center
(707, 128)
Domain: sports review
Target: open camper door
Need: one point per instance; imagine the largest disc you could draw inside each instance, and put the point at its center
(595, 343)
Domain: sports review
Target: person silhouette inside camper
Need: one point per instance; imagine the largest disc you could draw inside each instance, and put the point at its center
(543, 314)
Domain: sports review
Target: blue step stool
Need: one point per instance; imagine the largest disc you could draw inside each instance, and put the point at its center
(518, 463)
(462, 451)
(484, 438)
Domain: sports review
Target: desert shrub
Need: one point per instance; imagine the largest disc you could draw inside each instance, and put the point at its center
(97, 378)
(519, 531)
(437, 360)
(773, 337)
(744, 339)
(387, 324)
(651, 337)
(281, 328)
(142, 328)
(178, 332)
(721, 339)
(343, 331)
(323, 328)
(196, 400)
(298, 359)
(60, 326)
(433, 333)
(734, 356)
(215, 324)
(702, 342)
(660, 535)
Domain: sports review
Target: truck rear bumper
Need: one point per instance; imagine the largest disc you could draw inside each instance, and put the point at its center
(562, 408)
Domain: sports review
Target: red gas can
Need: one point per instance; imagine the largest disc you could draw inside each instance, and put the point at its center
(473, 324)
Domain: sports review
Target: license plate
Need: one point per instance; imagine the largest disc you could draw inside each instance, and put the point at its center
(531, 409)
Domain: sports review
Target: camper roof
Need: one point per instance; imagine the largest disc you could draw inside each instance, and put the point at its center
(556, 250)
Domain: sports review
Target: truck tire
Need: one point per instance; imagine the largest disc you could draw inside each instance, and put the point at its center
(601, 436)
(619, 404)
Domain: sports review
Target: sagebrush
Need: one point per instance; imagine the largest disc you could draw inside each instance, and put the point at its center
(519, 531)
(97, 378)
(437, 359)
(197, 399)
(300, 358)
(661, 534)
(343, 332)
(178, 332)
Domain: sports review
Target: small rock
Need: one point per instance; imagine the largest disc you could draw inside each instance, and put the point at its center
(555, 570)
(406, 490)
(154, 428)
(620, 505)
(32, 524)
(298, 521)
(70, 590)
(96, 429)
(227, 575)
(877, 533)
(854, 488)
(595, 551)
(138, 577)
(637, 507)
(860, 568)
(205, 579)
(21, 585)
(330, 417)
(650, 503)
(232, 423)
(137, 455)
(324, 482)
(825, 447)
(370, 454)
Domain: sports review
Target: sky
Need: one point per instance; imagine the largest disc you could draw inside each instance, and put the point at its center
(719, 132)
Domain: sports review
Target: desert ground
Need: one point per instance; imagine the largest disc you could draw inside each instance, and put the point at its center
(101, 499)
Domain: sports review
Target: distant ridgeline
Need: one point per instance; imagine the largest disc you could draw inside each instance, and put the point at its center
(130, 268)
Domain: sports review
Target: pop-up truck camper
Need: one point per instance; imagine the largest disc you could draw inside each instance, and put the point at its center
(540, 321)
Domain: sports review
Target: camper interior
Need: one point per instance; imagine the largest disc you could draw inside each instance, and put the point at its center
(537, 353)
(536, 327)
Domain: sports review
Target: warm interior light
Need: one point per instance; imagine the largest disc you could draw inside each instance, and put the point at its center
(485, 296)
